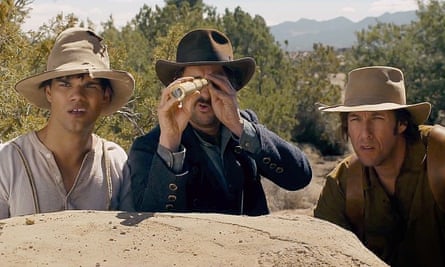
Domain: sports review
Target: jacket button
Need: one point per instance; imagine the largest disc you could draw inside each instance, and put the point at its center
(266, 160)
(195, 170)
(171, 198)
(195, 202)
(237, 149)
(169, 206)
(173, 187)
(273, 166)
(279, 170)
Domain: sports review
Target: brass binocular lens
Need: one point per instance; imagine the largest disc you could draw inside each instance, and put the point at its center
(179, 91)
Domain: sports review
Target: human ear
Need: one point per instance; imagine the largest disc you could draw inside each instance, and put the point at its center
(48, 95)
(107, 95)
(401, 127)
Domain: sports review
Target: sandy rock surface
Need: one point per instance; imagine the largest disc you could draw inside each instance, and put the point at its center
(96, 238)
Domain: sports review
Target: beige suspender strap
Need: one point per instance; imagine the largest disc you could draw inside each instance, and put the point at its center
(30, 177)
(355, 199)
(107, 174)
(32, 182)
(436, 164)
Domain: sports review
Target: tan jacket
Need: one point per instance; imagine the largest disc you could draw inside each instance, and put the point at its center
(90, 190)
(407, 229)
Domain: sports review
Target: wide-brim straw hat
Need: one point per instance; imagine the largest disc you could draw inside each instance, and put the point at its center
(76, 51)
(378, 88)
(206, 47)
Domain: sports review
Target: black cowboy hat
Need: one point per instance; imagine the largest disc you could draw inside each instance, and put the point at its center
(206, 47)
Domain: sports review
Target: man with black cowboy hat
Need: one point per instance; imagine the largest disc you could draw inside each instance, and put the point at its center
(391, 191)
(206, 155)
(64, 165)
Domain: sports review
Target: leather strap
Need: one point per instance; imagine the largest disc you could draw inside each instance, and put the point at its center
(30, 177)
(107, 174)
(33, 185)
(355, 198)
(436, 164)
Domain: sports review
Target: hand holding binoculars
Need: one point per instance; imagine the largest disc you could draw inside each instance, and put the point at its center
(179, 91)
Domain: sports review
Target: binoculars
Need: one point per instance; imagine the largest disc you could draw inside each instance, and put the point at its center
(179, 91)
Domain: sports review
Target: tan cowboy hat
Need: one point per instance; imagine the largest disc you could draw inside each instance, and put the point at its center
(206, 47)
(76, 51)
(378, 88)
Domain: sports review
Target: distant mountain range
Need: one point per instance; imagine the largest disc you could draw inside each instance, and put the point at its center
(338, 32)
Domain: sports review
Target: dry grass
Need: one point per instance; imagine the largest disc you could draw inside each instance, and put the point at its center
(304, 200)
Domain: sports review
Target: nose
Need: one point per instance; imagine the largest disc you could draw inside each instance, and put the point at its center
(205, 91)
(77, 93)
(367, 130)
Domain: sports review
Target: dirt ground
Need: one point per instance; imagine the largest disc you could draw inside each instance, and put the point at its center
(302, 201)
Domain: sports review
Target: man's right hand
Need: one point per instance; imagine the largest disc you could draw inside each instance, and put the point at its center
(174, 115)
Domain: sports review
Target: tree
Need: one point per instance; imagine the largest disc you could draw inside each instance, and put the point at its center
(417, 49)
(313, 78)
(283, 90)
(16, 116)
(427, 77)
(268, 91)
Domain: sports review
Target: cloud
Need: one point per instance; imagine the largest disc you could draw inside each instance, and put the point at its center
(347, 9)
(124, 10)
(43, 11)
(382, 6)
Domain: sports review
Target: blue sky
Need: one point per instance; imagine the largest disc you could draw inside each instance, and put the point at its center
(273, 11)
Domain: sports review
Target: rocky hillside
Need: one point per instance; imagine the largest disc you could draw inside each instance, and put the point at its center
(338, 32)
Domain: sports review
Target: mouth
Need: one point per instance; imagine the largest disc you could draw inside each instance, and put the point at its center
(77, 111)
(204, 106)
(366, 147)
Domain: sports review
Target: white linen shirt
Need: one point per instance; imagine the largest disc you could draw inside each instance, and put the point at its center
(90, 190)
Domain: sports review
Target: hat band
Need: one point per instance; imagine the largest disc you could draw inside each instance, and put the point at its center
(371, 101)
(200, 56)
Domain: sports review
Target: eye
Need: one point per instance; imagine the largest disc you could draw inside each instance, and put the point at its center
(216, 87)
(378, 117)
(93, 86)
(63, 84)
(353, 118)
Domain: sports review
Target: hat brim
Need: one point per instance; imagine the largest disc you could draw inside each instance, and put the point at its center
(121, 82)
(243, 69)
(420, 111)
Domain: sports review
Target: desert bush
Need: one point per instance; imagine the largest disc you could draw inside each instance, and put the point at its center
(279, 199)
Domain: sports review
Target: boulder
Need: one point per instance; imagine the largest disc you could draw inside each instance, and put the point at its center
(102, 238)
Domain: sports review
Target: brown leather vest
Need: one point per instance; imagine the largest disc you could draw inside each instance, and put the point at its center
(435, 156)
